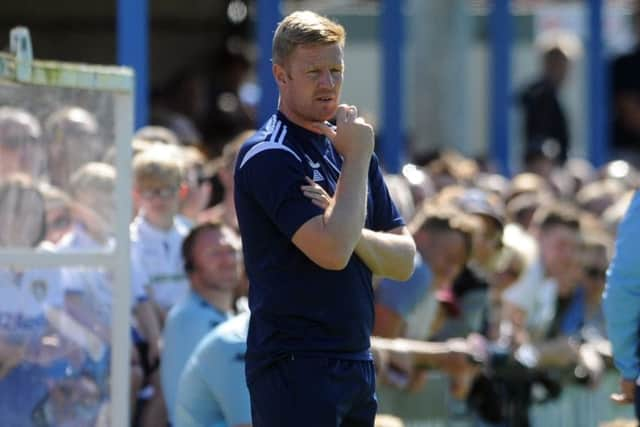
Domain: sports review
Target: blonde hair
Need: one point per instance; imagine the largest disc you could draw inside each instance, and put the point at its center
(156, 134)
(92, 177)
(158, 165)
(304, 28)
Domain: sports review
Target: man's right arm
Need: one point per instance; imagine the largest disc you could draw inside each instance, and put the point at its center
(330, 239)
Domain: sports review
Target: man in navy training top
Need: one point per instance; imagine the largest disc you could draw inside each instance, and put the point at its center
(308, 361)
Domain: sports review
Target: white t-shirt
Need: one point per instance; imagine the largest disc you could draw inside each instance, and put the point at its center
(25, 297)
(157, 253)
(536, 294)
(94, 284)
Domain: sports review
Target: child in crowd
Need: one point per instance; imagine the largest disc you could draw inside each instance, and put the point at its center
(156, 240)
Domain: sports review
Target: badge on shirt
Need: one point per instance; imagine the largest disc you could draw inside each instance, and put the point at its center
(39, 289)
(317, 176)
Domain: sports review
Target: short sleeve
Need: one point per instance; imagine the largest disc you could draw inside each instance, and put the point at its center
(272, 178)
(386, 215)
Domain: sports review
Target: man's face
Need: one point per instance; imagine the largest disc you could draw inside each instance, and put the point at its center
(10, 159)
(216, 256)
(310, 82)
(71, 150)
(19, 151)
(445, 251)
(558, 248)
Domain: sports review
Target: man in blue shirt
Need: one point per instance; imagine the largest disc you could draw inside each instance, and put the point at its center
(211, 259)
(308, 360)
(621, 305)
(213, 391)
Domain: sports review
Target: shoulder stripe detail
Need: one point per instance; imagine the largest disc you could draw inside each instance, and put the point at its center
(282, 135)
(259, 148)
(335, 168)
(272, 140)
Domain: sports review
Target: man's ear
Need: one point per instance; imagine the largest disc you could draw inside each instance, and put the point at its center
(280, 74)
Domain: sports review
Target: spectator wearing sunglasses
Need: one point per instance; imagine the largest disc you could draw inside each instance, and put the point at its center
(156, 236)
(156, 241)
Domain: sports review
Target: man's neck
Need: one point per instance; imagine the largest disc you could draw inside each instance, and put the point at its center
(296, 119)
(220, 299)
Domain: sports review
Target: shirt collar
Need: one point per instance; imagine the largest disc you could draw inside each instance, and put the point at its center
(201, 302)
(308, 135)
(149, 230)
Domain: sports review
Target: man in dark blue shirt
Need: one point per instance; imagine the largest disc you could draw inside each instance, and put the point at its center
(310, 269)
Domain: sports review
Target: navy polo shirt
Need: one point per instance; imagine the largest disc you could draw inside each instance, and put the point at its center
(297, 307)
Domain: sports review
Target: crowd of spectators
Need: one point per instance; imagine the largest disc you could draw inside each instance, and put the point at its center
(505, 294)
(505, 297)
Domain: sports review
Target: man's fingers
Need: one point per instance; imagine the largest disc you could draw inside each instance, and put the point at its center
(325, 130)
(315, 193)
(342, 113)
(310, 193)
(360, 121)
(319, 203)
(346, 114)
(354, 112)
